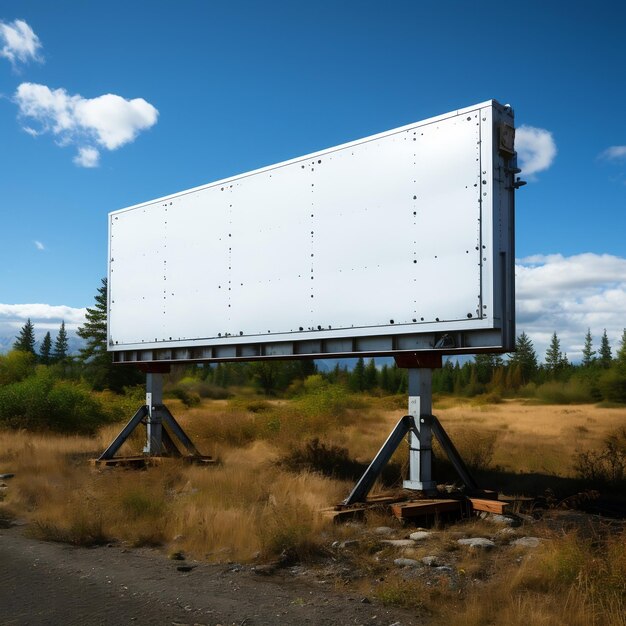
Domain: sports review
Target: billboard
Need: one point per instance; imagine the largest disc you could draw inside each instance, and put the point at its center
(398, 242)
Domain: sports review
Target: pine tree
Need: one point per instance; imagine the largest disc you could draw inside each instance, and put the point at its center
(605, 351)
(357, 377)
(483, 367)
(98, 368)
(621, 353)
(384, 377)
(25, 341)
(45, 349)
(554, 356)
(370, 376)
(265, 375)
(61, 344)
(525, 357)
(588, 353)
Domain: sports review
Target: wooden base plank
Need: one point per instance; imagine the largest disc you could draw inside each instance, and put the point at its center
(139, 462)
(489, 506)
(403, 510)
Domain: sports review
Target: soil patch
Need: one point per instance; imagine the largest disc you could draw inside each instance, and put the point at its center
(50, 583)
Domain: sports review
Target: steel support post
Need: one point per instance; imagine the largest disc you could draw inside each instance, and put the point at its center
(154, 422)
(420, 442)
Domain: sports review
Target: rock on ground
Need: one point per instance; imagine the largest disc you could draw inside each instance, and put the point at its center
(477, 543)
(526, 542)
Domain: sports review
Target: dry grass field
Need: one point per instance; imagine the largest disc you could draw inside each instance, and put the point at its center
(251, 508)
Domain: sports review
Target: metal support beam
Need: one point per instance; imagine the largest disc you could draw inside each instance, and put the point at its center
(162, 430)
(117, 443)
(452, 454)
(420, 425)
(366, 482)
(154, 403)
(420, 439)
(176, 429)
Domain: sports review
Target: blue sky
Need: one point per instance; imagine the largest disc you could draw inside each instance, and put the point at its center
(103, 105)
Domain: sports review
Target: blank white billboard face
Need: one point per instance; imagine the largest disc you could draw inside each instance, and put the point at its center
(393, 234)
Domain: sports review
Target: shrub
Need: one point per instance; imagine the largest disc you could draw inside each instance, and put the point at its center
(328, 459)
(16, 366)
(41, 402)
(188, 398)
(324, 399)
(606, 466)
(612, 385)
(190, 389)
(475, 447)
(571, 392)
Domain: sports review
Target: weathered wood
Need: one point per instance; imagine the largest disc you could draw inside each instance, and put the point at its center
(489, 506)
(382, 499)
(139, 462)
(404, 510)
(340, 514)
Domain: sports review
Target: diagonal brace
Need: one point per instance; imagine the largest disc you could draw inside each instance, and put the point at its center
(117, 443)
(177, 430)
(366, 482)
(452, 453)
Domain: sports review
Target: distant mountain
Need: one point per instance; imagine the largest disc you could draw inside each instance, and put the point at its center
(7, 340)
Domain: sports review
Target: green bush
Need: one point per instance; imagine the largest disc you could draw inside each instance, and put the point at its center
(612, 385)
(188, 398)
(41, 402)
(325, 399)
(15, 366)
(570, 392)
(196, 387)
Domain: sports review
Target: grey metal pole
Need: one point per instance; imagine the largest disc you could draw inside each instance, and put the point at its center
(154, 403)
(420, 444)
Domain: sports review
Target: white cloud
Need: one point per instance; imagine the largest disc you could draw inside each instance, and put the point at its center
(109, 121)
(536, 149)
(19, 42)
(45, 317)
(39, 245)
(87, 157)
(17, 314)
(569, 295)
(614, 153)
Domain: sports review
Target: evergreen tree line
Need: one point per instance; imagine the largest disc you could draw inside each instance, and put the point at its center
(49, 353)
(93, 364)
(599, 375)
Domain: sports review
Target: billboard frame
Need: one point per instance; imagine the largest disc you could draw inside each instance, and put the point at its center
(492, 333)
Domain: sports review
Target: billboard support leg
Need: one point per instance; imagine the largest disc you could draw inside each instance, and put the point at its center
(162, 430)
(420, 437)
(420, 425)
(154, 423)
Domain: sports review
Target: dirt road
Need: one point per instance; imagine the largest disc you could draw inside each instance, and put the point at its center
(50, 583)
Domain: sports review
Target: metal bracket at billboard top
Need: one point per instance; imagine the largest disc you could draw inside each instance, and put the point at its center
(155, 368)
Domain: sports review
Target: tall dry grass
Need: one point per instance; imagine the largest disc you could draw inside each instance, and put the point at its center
(249, 506)
(245, 506)
(571, 580)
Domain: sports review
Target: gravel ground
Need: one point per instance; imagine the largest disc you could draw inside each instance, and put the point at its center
(51, 583)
